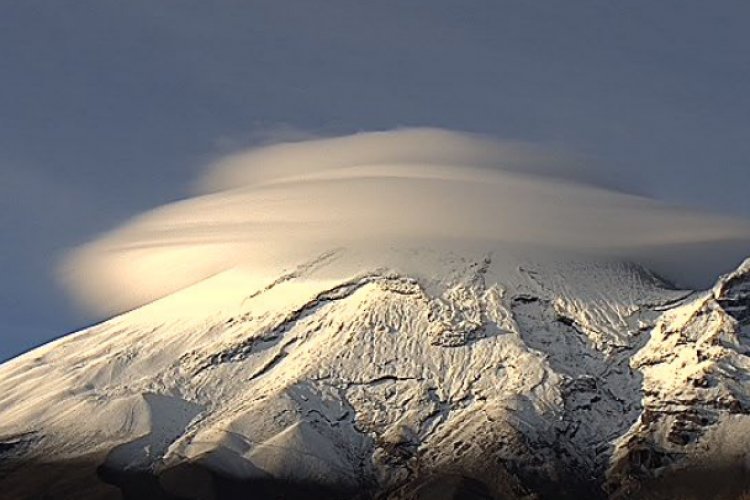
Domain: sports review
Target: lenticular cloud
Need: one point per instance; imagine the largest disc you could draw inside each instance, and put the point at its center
(273, 205)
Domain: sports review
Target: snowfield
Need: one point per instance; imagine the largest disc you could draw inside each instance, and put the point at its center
(428, 375)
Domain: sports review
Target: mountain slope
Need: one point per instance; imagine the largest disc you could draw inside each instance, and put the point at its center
(478, 374)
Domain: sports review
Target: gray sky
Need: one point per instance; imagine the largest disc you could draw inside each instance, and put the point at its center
(108, 108)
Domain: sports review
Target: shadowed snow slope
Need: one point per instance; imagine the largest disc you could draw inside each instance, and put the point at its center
(422, 374)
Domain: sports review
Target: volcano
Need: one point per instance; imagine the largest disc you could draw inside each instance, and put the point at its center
(419, 374)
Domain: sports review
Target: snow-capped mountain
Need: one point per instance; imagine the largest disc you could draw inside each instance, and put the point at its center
(426, 374)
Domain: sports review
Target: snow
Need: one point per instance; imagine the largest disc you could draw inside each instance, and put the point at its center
(508, 368)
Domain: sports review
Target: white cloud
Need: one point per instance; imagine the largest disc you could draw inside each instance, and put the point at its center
(275, 204)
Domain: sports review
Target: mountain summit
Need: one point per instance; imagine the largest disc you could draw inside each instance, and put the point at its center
(426, 374)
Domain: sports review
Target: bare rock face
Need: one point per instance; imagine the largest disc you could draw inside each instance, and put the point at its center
(428, 375)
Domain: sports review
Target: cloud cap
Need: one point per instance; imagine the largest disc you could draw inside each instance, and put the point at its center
(271, 205)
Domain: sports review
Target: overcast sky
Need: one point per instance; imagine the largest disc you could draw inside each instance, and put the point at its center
(109, 108)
